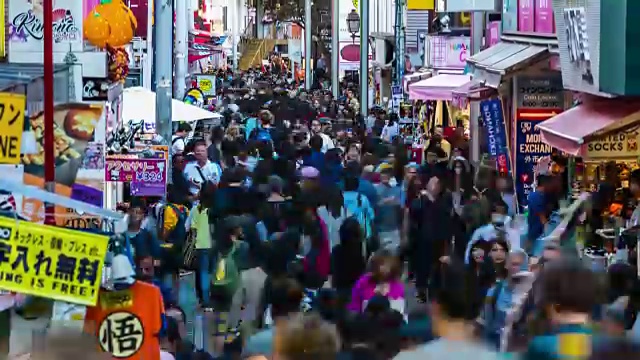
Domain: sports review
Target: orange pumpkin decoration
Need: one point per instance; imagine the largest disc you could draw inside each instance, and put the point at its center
(96, 29)
(121, 23)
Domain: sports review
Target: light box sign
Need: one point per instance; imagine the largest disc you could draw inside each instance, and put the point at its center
(468, 5)
(618, 145)
(525, 16)
(448, 52)
(544, 17)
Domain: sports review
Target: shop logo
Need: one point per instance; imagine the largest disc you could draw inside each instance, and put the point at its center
(29, 24)
(5, 233)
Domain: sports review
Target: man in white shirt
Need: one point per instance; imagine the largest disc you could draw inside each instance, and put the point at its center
(202, 170)
(316, 129)
(178, 140)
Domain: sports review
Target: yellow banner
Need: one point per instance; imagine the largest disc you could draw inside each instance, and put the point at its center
(12, 107)
(421, 4)
(619, 145)
(51, 262)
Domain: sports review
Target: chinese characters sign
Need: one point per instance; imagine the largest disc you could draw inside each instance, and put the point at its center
(529, 149)
(51, 262)
(12, 107)
(26, 27)
(496, 133)
(128, 169)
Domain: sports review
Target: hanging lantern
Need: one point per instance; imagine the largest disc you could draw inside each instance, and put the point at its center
(96, 29)
(120, 26)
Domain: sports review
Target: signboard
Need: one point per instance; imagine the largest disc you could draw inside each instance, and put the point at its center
(294, 47)
(447, 52)
(493, 119)
(510, 15)
(26, 25)
(95, 89)
(540, 92)
(396, 97)
(468, 5)
(127, 169)
(578, 37)
(3, 27)
(543, 22)
(206, 84)
(12, 108)
(525, 16)
(619, 145)
(51, 262)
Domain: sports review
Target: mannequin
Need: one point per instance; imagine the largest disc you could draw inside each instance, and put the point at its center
(129, 314)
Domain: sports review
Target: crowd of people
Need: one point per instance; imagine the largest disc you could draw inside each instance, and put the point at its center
(313, 241)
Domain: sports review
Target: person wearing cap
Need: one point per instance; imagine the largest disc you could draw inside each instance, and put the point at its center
(178, 139)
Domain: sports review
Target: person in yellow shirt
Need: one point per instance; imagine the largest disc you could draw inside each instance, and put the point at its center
(173, 234)
(203, 241)
(438, 140)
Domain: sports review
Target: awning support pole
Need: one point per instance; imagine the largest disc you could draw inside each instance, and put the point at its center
(49, 145)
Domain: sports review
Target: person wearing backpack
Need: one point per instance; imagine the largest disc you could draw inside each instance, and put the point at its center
(178, 140)
(231, 256)
(173, 230)
(358, 207)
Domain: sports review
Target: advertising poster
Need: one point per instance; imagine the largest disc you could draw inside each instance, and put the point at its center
(12, 109)
(206, 84)
(493, 119)
(75, 126)
(525, 16)
(26, 25)
(51, 262)
(529, 149)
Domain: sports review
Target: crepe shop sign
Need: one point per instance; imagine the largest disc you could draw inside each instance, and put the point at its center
(123, 169)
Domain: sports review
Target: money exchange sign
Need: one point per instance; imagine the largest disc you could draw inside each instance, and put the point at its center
(51, 262)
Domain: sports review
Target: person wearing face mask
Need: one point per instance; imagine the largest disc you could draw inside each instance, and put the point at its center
(390, 129)
(388, 209)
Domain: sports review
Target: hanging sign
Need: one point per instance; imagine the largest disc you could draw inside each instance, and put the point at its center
(448, 52)
(493, 119)
(127, 169)
(12, 107)
(530, 148)
(51, 262)
(619, 145)
(206, 84)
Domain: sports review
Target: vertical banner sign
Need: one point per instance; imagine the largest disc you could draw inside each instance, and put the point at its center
(396, 98)
(544, 23)
(525, 15)
(538, 98)
(496, 134)
(12, 108)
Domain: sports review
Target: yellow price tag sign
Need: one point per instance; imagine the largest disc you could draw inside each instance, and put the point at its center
(51, 262)
(205, 85)
(12, 107)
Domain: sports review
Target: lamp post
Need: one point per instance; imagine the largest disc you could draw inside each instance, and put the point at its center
(353, 24)
(355, 21)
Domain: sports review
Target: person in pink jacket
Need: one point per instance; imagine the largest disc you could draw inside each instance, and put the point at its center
(383, 278)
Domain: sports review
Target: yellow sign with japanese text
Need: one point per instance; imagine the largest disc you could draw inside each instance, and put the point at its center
(51, 262)
(12, 108)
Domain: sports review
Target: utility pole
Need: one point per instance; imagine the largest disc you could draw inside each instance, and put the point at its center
(477, 32)
(182, 49)
(49, 139)
(164, 71)
(235, 23)
(308, 75)
(364, 57)
(399, 41)
(335, 38)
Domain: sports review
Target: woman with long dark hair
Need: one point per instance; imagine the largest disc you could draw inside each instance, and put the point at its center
(347, 260)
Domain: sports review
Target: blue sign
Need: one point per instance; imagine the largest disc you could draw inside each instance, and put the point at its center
(529, 149)
(493, 119)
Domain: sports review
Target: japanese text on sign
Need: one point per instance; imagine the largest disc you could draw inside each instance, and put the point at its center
(529, 149)
(543, 92)
(12, 107)
(51, 262)
(123, 169)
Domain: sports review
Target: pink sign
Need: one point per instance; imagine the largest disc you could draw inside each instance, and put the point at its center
(525, 15)
(544, 17)
(493, 31)
(126, 169)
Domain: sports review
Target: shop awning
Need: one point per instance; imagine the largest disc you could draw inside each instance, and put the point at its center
(473, 90)
(569, 130)
(415, 77)
(439, 87)
(491, 65)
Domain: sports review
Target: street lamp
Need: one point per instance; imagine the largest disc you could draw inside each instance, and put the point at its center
(353, 24)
